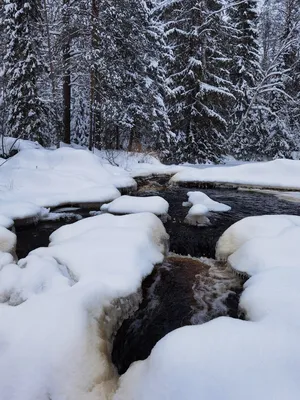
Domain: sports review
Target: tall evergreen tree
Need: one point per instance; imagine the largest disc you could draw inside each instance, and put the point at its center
(198, 77)
(23, 66)
(245, 74)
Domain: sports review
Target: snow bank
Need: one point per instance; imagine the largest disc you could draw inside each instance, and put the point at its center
(196, 215)
(49, 178)
(6, 221)
(137, 164)
(131, 205)
(59, 306)
(218, 359)
(8, 144)
(16, 210)
(204, 200)
(8, 240)
(272, 174)
(252, 227)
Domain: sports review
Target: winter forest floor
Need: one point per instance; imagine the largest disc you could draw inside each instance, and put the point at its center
(122, 278)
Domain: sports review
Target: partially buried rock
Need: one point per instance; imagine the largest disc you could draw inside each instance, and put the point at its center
(197, 216)
(132, 205)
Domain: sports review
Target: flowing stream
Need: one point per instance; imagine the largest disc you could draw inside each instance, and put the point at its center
(183, 290)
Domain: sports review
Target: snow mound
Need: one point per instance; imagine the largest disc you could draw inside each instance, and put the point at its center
(252, 227)
(6, 222)
(130, 205)
(211, 205)
(262, 253)
(16, 210)
(60, 305)
(137, 164)
(207, 361)
(49, 178)
(7, 144)
(196, 215)
(8, 240)
(273, 174)
(217, 360)
(146, 221)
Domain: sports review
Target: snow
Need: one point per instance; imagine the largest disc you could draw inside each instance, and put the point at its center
(198, 209)
(218, 359)
(6, 222)
(137, 164)
(15, 210)
(8, 240)
(145, 221)
(130, 205)
(262, 253)
(196, 215)
(200, 198)
(273, 174)
(58, 306)
(250, 228)
(49, 178)
(8, 144)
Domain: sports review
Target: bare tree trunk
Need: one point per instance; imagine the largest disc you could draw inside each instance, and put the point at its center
(94, 42)
(131, 138)
(52, 77)
(117, 138)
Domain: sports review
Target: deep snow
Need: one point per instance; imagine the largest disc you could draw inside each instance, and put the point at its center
(233, 359)
(273, 174)
(59, 306)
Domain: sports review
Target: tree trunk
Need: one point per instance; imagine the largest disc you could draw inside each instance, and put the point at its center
(67, 74)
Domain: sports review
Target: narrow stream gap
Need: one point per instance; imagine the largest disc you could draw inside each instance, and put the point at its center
(183, 290)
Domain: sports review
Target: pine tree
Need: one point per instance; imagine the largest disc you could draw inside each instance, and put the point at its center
(23, 66)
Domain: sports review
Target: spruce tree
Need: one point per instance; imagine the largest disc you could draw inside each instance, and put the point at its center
(198, 78)
(23, 66)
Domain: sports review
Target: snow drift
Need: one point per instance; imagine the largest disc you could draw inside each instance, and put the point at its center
(48, 178)
(272, 174)
(61, 305)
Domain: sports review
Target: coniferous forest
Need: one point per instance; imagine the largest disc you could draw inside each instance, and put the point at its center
(191, 80)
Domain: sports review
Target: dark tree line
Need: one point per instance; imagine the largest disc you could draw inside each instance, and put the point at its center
(192, 80)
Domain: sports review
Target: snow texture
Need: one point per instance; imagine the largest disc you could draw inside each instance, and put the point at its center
(137, 164)
(8, 144)
(218, 359)
(273, 174)
(204, 200)
(196, 216)
(49, 178)
(58, 305)
(131, 205)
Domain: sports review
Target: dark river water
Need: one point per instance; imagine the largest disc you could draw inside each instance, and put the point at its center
(181, 291)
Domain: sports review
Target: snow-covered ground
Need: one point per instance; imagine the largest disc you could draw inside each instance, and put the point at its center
(7, 144)
(36, 178)
(272, 174)
(131, 205)
(258, 358)
(59, 306)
